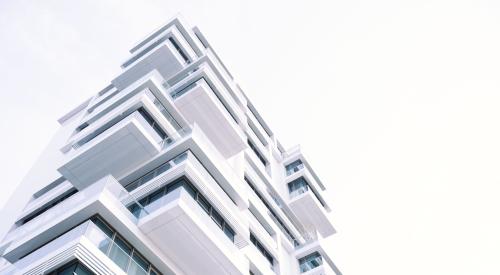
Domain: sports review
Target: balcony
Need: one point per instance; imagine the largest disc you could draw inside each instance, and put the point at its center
(103, 198)
(116, 148)
(313, 258)
(182, 208)
(90, 245)
(163, 55)
(183, 230)
(308, 205)
(202, 99)
(62, 216)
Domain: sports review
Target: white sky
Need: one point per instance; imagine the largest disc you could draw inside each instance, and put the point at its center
(395, 102)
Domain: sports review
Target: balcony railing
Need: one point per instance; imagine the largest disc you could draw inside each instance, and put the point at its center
(168, 141)
(156, 172)
(159, 198)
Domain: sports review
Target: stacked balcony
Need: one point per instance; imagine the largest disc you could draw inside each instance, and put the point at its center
(182, 209)
(307, 194)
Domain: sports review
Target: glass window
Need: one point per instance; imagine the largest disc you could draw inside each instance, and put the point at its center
(310, 261)
(99, 223)
(229, 232)
(136, 210)
(204, 203)
(180, 158)
(68, 270)
(187, 186)
(148, 176)
(298, 186)
(82, 270)
(164, 167)
(175, 185)
(217, 218)
(261, 248)
(293, 167)
(74, 268)
(154, 200)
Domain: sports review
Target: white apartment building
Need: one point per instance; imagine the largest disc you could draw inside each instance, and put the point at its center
(170, 169)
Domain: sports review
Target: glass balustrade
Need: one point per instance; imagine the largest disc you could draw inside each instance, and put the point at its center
(156, 172)
(117, 249)
(155, 200)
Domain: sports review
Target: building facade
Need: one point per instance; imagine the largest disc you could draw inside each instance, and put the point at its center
(170, 169)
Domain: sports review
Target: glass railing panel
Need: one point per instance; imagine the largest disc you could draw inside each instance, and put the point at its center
(159, 198)
(156, 172)
(117, 250)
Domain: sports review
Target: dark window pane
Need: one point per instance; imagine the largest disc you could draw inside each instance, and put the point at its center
(217, 218)
(67, 270)
(174, 186)
(229, 232)
(148, 176)
(164, 167)
(82, 270)
(204, 203)
(189, 189)
(104, 228)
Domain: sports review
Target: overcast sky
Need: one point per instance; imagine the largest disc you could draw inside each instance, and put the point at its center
(397, 104)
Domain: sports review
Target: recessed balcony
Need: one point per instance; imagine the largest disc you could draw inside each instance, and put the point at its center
(313, 258)
(112, 150)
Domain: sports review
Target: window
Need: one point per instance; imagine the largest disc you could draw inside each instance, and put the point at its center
(262, 250)
(181, 52)
(152, 122)
(257, 153)
(253, 111)
(300, 186)
(47, 207)
(73, 268)
(310, 261)
(82, 126)
(294, 167)
(273, 215)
